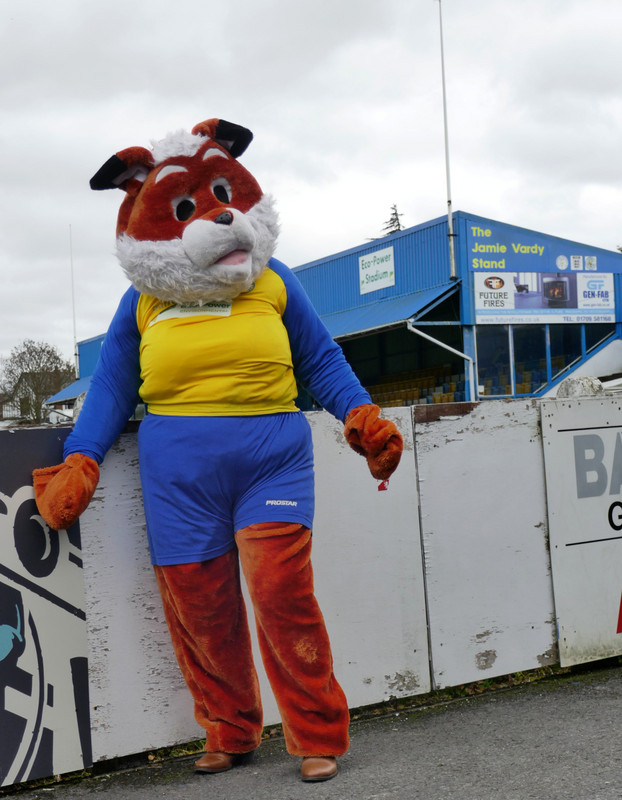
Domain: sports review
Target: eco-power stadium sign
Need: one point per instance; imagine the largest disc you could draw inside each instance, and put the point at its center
(376, 270)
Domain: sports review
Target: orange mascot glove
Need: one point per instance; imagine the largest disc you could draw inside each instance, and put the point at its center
(377, 439)
(64, 491)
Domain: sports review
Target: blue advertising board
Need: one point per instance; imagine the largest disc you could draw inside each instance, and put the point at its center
(521, 276)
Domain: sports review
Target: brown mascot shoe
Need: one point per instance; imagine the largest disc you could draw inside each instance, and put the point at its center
(318, 768)
(212, 763)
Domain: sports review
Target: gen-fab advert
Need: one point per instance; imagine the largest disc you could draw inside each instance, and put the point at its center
(583, 463)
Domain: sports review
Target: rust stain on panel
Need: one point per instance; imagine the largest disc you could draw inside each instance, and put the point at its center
(551, 656)
(434, 412)
(403, 682)
(485, 659)
(480, 638)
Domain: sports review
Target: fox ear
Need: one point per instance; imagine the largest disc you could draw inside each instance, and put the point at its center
(234, 138)
(132, 163)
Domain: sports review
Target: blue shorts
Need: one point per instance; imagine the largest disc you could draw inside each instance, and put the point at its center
(204, 478)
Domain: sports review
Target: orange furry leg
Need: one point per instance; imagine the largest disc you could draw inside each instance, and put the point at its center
(206, 616)
(276, 561)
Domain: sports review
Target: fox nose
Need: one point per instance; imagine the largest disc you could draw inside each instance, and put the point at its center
(226, 218)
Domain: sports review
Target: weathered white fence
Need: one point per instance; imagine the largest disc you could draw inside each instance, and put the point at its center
(443, 579)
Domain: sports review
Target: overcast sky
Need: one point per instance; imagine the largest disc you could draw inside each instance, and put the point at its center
(345, 100)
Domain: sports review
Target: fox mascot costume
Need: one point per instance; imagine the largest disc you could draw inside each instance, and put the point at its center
(213, 335)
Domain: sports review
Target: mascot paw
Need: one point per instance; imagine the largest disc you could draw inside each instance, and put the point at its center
(63, 492)
(375, 438)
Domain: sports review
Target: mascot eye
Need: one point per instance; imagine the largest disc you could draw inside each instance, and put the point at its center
(221, 190)
(184, 208)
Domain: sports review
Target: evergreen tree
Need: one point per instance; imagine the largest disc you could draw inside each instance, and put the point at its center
(393, 224)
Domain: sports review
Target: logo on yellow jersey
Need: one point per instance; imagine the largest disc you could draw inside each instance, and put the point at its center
(213, 309)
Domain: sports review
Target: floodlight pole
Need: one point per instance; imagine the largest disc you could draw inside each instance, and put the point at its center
(73, 307)
(450, 226)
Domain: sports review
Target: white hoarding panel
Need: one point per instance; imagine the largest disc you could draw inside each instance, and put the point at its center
(484, 525)
(368, 566)
(583, 456)
(139, 700)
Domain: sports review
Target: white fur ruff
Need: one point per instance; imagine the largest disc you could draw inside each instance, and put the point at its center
(187, 271)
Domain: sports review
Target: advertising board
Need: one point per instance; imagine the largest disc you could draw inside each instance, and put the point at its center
(583, 464)
(44, 698)
(522, 277)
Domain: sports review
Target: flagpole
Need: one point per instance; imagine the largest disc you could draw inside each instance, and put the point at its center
(73, 307)
(450, 226)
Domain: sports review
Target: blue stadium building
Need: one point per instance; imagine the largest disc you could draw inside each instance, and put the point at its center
(511, 314)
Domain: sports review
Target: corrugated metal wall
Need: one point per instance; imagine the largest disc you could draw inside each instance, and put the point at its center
(421, 259)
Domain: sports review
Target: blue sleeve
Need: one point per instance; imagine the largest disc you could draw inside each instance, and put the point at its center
(319, 363)
(113, 392)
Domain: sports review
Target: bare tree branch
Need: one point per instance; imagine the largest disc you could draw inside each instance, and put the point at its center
(32, 373)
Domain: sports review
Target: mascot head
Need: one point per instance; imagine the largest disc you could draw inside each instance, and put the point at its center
(194, 225)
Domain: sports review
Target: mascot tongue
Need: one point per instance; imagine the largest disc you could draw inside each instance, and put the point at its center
(233, 258)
